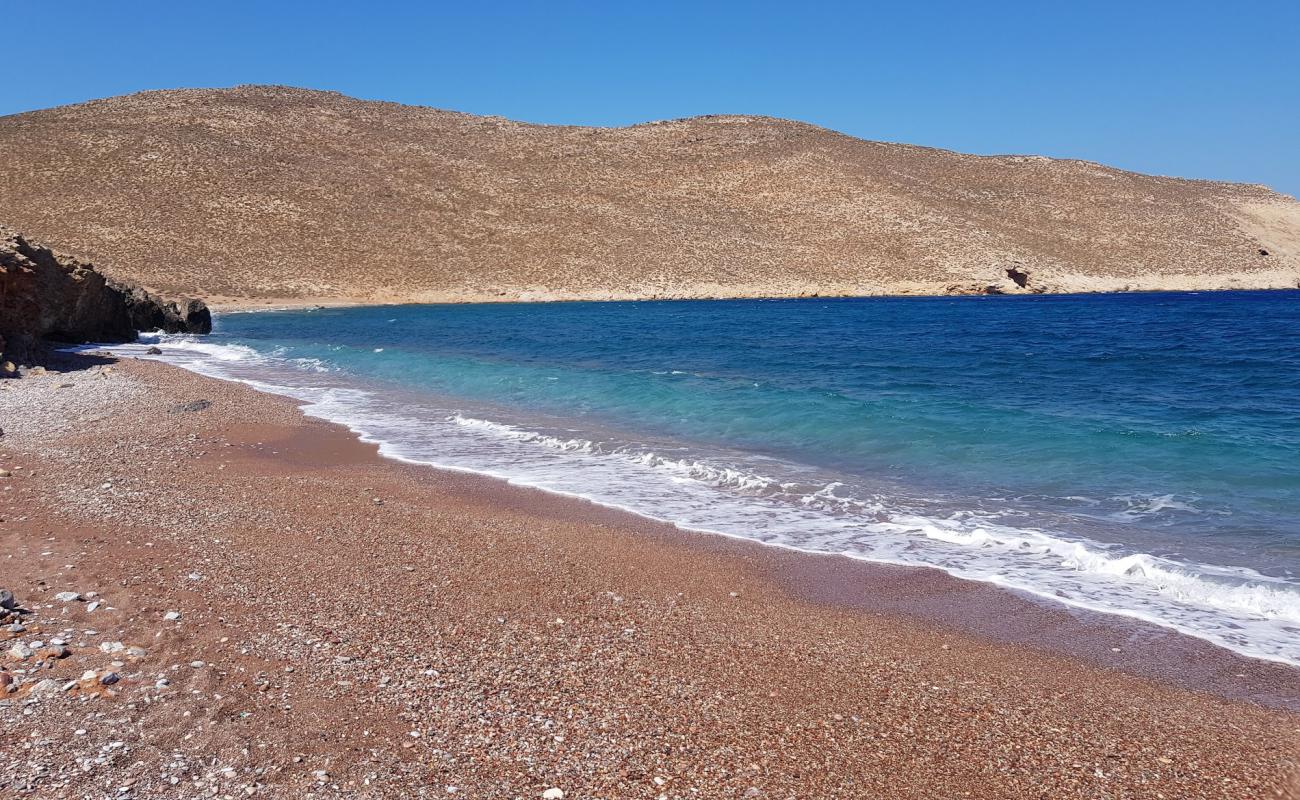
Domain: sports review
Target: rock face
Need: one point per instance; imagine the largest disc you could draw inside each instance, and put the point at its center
(45, 295)
(148, 313)
(279, 193)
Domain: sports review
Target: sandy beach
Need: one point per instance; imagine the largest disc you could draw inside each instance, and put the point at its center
(265, 607)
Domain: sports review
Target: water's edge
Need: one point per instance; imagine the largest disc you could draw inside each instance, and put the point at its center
(393, 451)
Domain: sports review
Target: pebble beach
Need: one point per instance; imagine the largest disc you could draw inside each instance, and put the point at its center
(216, 596)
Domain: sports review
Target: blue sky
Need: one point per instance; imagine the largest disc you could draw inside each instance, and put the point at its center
(1195, 89)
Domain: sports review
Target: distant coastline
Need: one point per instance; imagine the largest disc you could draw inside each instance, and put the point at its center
(245, 304)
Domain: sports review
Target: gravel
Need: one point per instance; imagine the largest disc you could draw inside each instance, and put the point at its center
(535, 646)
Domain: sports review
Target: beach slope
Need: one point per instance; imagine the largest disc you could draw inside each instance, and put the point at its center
(281, 611)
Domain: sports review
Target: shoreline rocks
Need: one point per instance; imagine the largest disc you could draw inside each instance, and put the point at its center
(46, 295)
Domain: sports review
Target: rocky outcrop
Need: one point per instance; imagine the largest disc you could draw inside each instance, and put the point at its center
(148, 313)
(1019, 276)
(48, 296)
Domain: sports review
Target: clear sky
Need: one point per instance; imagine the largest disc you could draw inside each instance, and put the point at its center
(1189, 88)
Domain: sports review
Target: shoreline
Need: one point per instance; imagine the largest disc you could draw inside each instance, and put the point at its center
(1164, 652)
(722, 595)
(1124, 613)
(232, 305)
(930, 595)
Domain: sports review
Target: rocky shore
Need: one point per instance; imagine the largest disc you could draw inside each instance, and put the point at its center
(213, 596)
(48, 295)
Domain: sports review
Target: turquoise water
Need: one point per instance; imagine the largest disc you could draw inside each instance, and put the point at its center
(1135, 454)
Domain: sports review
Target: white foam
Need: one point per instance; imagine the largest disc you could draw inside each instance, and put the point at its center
(1142, 506)
(1238, 608)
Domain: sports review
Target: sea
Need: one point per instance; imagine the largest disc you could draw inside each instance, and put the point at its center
(1133, 454)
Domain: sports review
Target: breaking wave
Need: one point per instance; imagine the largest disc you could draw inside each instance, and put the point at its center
(781, 503)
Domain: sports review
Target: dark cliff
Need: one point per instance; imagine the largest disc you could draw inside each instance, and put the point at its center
(48, 296)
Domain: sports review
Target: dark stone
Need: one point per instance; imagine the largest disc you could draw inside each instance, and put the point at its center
(7, 600)
(1020, 276)
(197, 318)
(154, 351)
(193, 405)
(148, 313)
(1263, 252)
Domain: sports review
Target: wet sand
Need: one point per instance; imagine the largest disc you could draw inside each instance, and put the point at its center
(369, 628)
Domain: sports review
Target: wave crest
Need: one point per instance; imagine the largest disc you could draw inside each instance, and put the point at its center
(1237, 608)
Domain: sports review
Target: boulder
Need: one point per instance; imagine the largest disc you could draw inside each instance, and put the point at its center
(148, 313)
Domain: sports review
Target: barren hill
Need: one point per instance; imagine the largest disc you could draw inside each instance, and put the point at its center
(271, 192)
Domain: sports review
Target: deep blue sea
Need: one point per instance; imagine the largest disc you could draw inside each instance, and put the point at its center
(1137, 454)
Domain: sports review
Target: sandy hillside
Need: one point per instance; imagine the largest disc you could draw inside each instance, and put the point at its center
(258, 192)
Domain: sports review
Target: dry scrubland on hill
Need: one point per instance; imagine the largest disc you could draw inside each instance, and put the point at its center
(268, 192)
